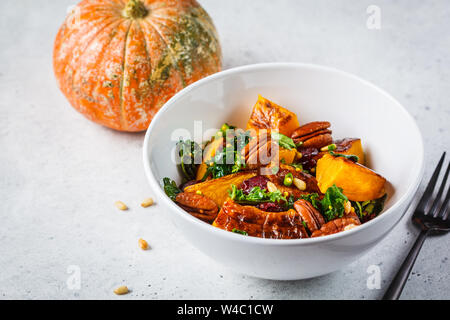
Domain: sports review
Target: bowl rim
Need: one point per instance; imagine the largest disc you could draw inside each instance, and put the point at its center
(155, 184)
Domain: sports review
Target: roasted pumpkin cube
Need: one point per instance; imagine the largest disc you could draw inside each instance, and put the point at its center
(217, 189)
(208, 154)
(351, 146)
(286, 156)
(359, 183)
(270, 116)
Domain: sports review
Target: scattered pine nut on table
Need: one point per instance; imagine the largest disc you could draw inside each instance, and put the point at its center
(120, 205)
(143, 244)
(121, 290)
(147, 203)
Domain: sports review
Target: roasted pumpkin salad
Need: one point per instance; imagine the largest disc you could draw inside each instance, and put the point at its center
(277, 179)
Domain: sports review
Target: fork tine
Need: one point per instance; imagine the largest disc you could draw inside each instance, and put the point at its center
(443, 212)
(430, 187)
(434, 208)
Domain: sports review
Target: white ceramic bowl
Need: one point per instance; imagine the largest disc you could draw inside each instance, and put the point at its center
(356, 108)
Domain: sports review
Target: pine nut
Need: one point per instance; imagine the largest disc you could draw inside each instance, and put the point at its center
(350, 226)
(121, 290)
(120, 205)
(271, 187)
(300, 184)
(348, 207)
(143, 244)
(147, 203)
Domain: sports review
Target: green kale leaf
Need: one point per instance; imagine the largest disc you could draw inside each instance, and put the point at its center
(170, 188)
(256, 195)
(228, 159)
(333, 203)
(313, 198)
(283, 140)
(190, 154)
(351, 157)
(366, 208)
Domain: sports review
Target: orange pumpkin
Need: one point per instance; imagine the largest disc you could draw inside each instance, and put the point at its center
(270, 116)
(119, 61)
(359, 183)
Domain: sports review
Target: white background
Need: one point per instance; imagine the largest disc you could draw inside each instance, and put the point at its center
(61, 174)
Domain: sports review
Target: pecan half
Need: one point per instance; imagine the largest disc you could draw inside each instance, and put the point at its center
(352, 214)
(313, 135)
(343, 145)
(335, 226)
(198, 205)
(259, 223)
(309, 214)
(260, 150)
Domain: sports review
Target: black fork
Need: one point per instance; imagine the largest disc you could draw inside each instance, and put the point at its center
(431, 215)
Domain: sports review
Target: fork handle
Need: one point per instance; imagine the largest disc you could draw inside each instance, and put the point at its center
(396, 287)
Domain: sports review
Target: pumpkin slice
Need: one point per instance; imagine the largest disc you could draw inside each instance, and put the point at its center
(257, 223)
(270, 116)
(359, 183)
(349, 146)
(217, 189)
(208, 154)
(287, 155)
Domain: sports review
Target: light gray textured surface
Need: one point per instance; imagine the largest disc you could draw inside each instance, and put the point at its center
(60, 174)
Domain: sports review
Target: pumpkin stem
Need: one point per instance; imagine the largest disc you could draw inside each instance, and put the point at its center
(135, 9)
